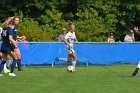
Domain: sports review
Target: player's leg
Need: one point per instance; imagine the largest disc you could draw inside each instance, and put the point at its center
(17, 51)
(136, 70)
(69, 59)
(73, 54)
(74, 60)
(61, 59)
(4, 57)
(5, 68)
(0, 54)
(65, 59)
(9, 58)
(15, 60)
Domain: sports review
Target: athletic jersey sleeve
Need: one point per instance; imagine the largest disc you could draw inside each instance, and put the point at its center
(10, 31)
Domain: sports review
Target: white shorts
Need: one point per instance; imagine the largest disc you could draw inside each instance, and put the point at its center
(70, 50)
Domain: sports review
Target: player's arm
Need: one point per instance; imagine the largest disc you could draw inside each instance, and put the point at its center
(136, 30)
(66, 42)
(76, 40)
(13, 41)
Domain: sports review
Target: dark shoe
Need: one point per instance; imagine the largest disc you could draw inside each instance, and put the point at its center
(7, 67)
(135, 72)
(20, 70)
(56, 59)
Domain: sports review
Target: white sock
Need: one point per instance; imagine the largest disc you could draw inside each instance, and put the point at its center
(63, 59)
(138, 65)
(74, 64)
(5, 67)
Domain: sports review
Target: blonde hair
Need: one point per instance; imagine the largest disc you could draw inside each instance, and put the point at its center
(8, 22)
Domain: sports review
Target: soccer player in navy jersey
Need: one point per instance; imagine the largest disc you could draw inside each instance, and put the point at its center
(6, 47)
(15, 37)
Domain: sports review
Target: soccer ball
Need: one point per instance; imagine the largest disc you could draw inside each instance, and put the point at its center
(70, 69)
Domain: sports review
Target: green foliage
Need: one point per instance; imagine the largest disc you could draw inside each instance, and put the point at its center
(33, 32)
(43, 20)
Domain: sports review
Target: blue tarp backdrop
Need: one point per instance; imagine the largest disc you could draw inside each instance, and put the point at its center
(87, 52)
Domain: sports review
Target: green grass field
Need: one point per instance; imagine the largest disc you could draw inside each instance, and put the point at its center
(92, 79)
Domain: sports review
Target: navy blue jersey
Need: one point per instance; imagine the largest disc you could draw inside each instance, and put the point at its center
(15, 32)
(5, 35)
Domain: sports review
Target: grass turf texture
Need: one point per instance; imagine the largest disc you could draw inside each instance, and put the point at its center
(92, 79)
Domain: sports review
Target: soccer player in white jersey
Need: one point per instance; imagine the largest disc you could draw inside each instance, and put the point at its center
(70, 38)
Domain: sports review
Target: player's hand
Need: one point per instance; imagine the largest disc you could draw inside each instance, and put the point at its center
(16, 46)
(70, 46)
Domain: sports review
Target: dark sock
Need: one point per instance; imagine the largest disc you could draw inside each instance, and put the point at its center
(0, 60)
(13, 65)
(135, 71)
(2, 66)
(19, 64)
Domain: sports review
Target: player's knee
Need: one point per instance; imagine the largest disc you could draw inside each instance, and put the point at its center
(15, 58)
(74, 58)
(19, 56)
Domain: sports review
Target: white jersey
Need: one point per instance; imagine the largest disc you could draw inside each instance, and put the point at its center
(71, 39)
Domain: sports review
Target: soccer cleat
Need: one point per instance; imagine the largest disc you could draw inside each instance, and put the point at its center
(12, 74)
(7, 67)
(20, 70)
(56, 59)
(135, 72)
(1, 75)
(6, 71)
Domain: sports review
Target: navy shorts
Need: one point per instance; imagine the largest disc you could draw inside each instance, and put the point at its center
(7, 48)
(12, 45)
